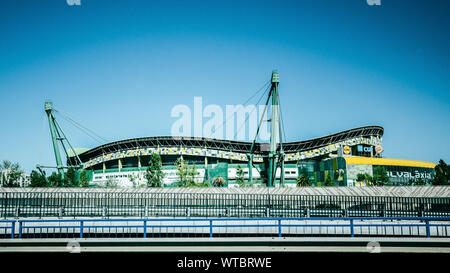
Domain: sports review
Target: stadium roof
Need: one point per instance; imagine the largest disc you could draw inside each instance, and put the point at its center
(77, 151)
(228, 145)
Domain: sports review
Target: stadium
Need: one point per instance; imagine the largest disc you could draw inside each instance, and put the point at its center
(337, 159)
(342, 155)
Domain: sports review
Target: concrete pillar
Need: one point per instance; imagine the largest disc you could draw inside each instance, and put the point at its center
(139, 163)
(206, 162)
(120, 164)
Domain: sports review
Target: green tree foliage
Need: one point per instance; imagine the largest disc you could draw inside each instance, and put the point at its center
(240, 177)
(84, 179)
(182, 172)
(70, 178)
(55, 180)
(111, 183)
(203, 184)
(186, 174)
(11, 174)
(219, 182)
(133, 182)
(192, 172)
(380, 176)
(154, 174)
(418, 182)
(37, 180)
(366, 178)
(441, 174)
(369, 179)
(328, 181)
(303, 179)
(360, 177)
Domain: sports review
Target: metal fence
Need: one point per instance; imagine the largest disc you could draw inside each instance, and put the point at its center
(150, 204)
(226, 227)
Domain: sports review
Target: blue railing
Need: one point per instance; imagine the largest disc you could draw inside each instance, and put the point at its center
(226, 227)
(6, 225)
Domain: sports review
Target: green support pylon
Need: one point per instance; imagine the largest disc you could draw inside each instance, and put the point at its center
(274, 130)
(51, 121)
(275, 157)
(250, 167)
(280, 154)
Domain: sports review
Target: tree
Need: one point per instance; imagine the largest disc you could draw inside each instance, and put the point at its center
(11, 174)
(380, 176)
(303, 179)
(328, 181)
(84, 179)
(8, 165)
(186, 174)
(192, 172)
(111, 183)
(441, 174)
(240, 177)
(219, 181)
(181, 171)
(369, 180)
(133, 182)
(70, 179)
(203, 184)
(419, 182)
(55, 180)
(154, 174)
(366, 178)
(360, 177)
(37, 180)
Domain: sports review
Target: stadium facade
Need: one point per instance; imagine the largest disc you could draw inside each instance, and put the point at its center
(341, 156)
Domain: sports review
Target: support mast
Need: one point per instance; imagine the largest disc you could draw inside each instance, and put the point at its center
(58, 134)
(51, 121)
(275, 156)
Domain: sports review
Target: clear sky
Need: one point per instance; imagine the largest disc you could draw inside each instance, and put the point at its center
(119, 67)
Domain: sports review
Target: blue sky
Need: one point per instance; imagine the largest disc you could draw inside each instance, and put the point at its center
(118, 67)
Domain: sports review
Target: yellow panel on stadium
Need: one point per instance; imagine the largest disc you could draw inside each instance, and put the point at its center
(357, 160)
